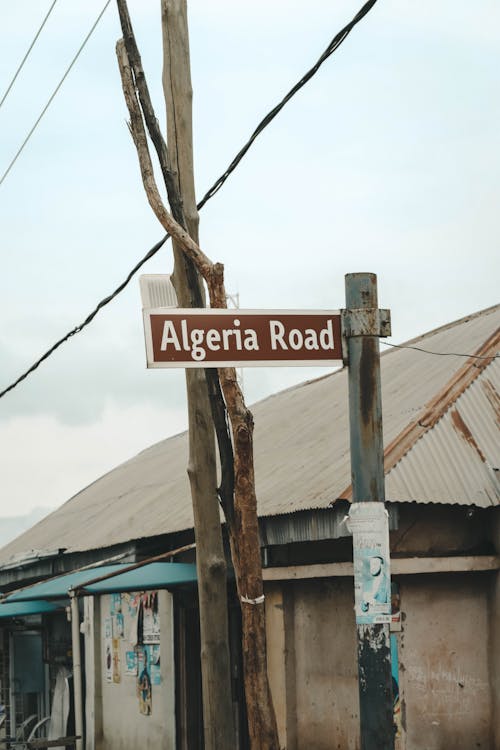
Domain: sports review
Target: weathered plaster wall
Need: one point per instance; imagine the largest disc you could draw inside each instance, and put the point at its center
(123, 726)
(494, 652)
(444, 661)
(325, 666)
(494, 633)
(312, 664)
(447, 652)
(277, 655)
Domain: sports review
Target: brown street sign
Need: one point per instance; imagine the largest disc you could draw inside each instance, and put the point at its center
(241, 338)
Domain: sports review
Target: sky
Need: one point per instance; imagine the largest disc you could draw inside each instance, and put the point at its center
(387, 161)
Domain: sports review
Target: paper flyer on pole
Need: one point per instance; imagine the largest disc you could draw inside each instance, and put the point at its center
(369, 524)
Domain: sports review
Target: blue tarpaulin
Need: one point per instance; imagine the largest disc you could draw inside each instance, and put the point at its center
(23, 609)
(156, 575)
(57, 588)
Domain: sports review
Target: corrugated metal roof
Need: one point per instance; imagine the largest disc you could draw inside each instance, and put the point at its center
(302, 449)
(455, 461)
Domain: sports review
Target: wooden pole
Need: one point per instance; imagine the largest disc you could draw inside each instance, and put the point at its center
(237, 491)
(210, 559)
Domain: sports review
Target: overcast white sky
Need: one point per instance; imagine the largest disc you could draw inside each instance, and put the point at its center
(387, 161)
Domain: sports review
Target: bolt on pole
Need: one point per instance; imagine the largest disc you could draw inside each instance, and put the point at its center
(363, 323)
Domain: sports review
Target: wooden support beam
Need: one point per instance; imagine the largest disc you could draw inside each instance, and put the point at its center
(399, 566)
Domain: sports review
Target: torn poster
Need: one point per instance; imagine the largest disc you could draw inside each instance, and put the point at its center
(369, 524)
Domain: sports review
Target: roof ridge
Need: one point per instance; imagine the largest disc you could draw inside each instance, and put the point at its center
(437, 407)
(453, 324)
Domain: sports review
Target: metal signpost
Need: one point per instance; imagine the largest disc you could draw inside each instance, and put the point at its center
(363, 323)
(252, 338)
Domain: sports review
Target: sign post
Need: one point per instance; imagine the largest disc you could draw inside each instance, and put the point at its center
(252, 338)
(363, 323)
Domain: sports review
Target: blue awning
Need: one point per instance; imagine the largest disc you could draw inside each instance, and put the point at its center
(23, 609)
(151, 576)
(57, 588)
(158, 575)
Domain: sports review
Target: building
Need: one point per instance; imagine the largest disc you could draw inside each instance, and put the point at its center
(442, 461)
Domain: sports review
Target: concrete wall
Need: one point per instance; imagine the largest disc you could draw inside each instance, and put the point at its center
(495, 636)
(445, 662)
(494, 660)
(312, 664)
(123, 726)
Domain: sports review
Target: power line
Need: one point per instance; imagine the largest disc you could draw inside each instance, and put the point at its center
(441, 354)
(21, 65)
(88, 319)
(54, 93)
(334, 44)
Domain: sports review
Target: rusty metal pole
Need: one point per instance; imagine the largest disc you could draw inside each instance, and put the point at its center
(363, 323)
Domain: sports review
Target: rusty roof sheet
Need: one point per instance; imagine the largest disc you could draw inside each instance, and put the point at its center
(458, 460)
(302, 448)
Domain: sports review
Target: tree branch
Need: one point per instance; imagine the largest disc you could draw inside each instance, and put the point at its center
(152, 125)
(136, 126)
(212, 273)
(237, 490)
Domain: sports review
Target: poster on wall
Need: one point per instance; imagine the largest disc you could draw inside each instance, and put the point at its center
(154, 660)
(144, 691)
(368, 522)
(118, 625)
(150, 620)
(108, 659)
(108, 627)
(117, 675)
(398, 726)
(116, 603)
(132, 620)
(131, 663)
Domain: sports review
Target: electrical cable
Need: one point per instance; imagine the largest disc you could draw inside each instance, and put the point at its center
(441, 354)
(21, 65)
(334, 44)
(54, 93)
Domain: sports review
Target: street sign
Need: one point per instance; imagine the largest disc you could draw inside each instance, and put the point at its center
(241, 338)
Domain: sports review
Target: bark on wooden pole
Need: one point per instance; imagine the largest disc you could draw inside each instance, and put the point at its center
(212, 588)
(176, 163)
(240, 506)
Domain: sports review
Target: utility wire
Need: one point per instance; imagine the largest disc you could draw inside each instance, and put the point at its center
(21, 65)
(441, 354)
(334, 44)
(54, 93)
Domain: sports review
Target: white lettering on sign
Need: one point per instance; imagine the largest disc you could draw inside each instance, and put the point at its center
(169, 336)
(198, 340)
(242, 338)
(295, 339)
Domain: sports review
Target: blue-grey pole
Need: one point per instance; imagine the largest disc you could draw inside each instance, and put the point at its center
(367, 473)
